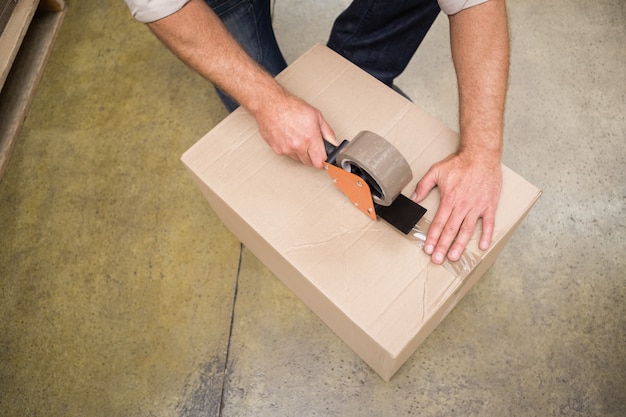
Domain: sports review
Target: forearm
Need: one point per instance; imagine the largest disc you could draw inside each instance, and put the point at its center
(289, 125)
(480, 51)
(198, 37)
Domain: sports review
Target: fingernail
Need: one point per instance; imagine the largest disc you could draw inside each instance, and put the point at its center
(429, 249)
(438, 257)
(413, 196)
(453, 255)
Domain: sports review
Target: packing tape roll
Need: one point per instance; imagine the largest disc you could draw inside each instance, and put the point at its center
(380, 161)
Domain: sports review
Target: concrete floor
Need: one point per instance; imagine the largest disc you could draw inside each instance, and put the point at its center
(122, 294)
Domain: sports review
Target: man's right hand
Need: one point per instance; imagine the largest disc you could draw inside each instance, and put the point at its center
(294, 128)
(288, 124)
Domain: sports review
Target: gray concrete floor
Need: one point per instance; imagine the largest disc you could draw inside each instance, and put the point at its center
(122, 294)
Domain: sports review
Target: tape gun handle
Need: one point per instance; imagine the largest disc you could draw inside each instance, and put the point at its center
(332, 151)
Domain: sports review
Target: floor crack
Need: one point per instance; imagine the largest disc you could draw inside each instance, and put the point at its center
(230, 331)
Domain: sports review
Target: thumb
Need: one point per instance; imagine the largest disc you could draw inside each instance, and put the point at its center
(317, 153)
(327, 132)
(427, 183)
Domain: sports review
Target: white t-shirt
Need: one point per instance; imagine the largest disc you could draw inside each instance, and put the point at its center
(450, 7)
(151, 10)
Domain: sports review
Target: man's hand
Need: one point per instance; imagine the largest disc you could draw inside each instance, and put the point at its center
(289, 125)
(470, 181)
(470, 190)
(292, 127)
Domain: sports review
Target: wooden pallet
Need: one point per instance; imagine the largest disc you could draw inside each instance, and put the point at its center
(25, 45)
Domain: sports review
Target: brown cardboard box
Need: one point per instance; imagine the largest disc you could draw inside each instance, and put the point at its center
(372, 285)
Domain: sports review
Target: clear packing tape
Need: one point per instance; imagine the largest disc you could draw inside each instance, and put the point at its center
(461, 268)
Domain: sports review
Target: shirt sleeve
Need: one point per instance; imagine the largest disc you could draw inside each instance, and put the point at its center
(450, 7)
(150, 10)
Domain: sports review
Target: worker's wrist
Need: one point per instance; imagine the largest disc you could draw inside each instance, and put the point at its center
(267, 96)
(486, 147)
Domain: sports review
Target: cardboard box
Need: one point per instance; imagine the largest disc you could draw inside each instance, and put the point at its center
(373, 286)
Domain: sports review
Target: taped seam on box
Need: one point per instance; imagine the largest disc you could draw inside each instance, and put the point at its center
(459, 269)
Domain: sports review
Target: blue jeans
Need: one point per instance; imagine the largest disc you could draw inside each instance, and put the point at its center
(379, 36)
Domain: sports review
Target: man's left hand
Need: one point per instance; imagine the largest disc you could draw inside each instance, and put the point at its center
(470, 190)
